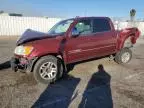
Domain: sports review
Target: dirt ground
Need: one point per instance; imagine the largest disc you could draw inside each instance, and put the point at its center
(120, 86)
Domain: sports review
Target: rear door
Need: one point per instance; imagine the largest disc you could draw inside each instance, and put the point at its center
(103, 38)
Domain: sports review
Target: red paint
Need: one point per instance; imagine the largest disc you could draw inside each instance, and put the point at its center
(134, 33)
(83, 47)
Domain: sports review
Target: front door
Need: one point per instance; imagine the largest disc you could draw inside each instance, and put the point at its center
(77, 48)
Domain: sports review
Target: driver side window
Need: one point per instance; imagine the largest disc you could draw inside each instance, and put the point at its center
(83, 27)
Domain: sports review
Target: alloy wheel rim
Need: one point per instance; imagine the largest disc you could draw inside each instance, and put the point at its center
(48, 70)
(125, 57)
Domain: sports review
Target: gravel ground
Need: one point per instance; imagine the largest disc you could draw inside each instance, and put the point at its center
(120, 86)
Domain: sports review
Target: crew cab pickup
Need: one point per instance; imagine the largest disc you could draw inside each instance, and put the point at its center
(70, 41)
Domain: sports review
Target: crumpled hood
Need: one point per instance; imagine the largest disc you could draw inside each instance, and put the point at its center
(31, 35)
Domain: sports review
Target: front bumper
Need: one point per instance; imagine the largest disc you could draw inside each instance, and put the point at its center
(22, 64)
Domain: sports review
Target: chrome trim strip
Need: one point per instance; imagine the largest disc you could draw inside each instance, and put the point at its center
(79, 50)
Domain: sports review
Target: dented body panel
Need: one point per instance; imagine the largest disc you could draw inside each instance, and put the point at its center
(132, 33)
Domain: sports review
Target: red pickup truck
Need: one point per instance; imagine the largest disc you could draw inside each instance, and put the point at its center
(69, 41)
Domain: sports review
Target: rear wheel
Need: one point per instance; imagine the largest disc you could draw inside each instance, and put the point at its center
(123, 56)
(48, 69)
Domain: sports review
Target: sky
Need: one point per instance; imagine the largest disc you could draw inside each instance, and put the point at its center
(72, 8)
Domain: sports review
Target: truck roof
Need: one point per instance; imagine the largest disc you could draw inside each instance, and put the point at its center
(91, 17)
(78, 18)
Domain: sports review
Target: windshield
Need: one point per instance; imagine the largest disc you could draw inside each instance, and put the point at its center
(60, 28)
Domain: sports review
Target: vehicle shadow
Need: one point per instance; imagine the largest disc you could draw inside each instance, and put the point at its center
(5, 65)
(59, 94)
(98, 92)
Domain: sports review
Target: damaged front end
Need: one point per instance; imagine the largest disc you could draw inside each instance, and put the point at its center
(21, 61)
(22, 64)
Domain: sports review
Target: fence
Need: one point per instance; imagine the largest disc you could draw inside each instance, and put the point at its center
(10, 25)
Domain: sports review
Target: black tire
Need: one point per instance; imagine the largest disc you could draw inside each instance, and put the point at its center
(119, 56)
(52, 59)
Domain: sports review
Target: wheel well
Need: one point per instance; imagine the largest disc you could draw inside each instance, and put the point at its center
(53, 54)
(128, 41)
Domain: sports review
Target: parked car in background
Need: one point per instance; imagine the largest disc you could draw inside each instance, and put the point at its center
(70, 41)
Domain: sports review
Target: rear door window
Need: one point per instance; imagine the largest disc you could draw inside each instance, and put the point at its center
(101, 25)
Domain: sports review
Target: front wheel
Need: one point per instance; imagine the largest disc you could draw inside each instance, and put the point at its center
(48, 69)
(123, 56)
